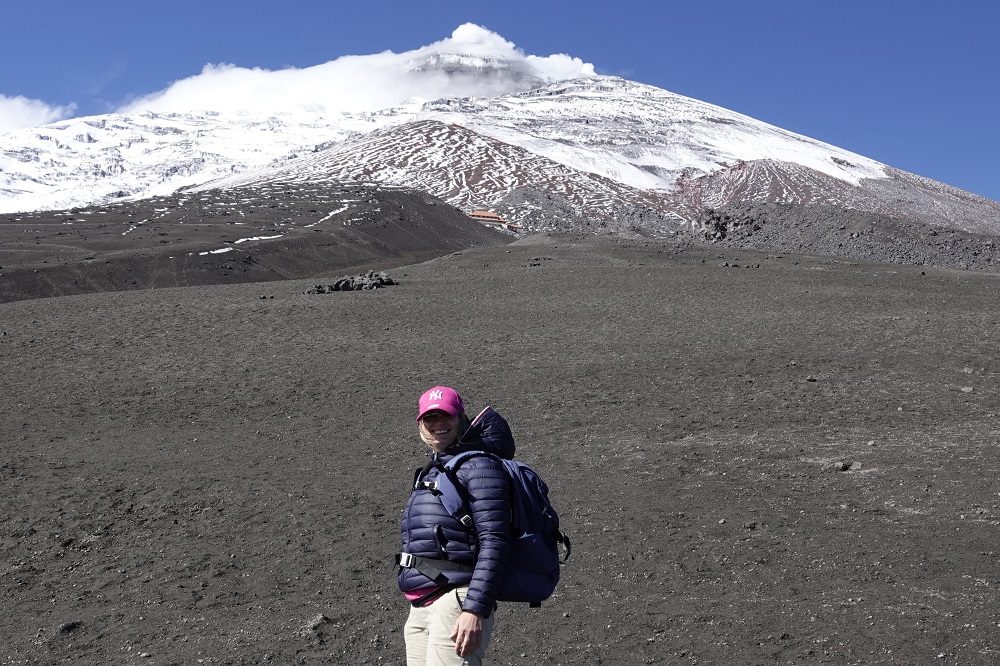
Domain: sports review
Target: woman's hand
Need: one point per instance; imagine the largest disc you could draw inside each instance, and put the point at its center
(467, 633)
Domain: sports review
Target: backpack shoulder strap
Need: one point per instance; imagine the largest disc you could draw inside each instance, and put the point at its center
(456, 460)
(452, 494)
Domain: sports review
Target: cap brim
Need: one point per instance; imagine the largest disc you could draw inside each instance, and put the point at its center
(447, 409)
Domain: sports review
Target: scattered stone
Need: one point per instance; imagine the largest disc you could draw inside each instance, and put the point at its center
(750, 525)
(810, 378)
(70, 627)
(314, 626)
(966, 389)
(367, 280)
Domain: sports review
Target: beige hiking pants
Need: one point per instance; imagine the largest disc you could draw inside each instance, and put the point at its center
(428, 629)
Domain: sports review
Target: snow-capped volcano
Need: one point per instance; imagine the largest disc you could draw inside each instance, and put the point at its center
(471, 119)
(639, 134)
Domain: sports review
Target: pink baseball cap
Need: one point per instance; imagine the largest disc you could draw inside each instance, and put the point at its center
(440, 399)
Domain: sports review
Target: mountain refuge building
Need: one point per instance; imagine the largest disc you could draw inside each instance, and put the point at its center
(491, 219)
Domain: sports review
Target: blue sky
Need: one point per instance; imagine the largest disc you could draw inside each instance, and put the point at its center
(909, 83)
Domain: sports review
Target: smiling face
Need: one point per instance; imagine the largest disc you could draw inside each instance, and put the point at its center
(439, 430)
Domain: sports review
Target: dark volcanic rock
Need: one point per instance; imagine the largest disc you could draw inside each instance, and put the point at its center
(539, 210)
(852, 234)
(367, 280)
(70, 627)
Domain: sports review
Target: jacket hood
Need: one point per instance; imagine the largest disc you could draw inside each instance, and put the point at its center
(488, 432)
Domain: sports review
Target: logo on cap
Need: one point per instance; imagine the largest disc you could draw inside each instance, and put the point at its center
(436, 395)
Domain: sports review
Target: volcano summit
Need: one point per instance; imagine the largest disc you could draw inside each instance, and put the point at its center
(474, 121)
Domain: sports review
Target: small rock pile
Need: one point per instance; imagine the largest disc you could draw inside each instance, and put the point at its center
(367, 280)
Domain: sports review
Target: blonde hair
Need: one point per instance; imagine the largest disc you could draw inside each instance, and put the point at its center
(425, 434)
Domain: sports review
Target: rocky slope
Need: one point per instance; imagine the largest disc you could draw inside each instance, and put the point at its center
(834, 231)
(272, 232)
(466, 169)
(603, 146)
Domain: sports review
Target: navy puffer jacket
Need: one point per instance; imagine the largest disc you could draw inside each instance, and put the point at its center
(429, 531)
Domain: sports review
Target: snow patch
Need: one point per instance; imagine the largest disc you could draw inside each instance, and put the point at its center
(256, 238)
(328, 216)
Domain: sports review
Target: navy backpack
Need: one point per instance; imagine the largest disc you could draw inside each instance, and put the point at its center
(533, 564)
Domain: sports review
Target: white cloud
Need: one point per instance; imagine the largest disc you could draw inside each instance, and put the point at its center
(18, 112)
(472, 62)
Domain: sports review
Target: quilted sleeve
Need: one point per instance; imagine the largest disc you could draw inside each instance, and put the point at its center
(489, 505)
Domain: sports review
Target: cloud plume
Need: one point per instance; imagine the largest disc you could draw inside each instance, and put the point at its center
(473, 61)
(17, 112)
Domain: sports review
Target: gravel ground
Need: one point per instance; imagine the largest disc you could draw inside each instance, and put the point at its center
(760, 460)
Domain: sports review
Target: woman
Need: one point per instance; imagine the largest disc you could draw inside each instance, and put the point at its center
(450, 571)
